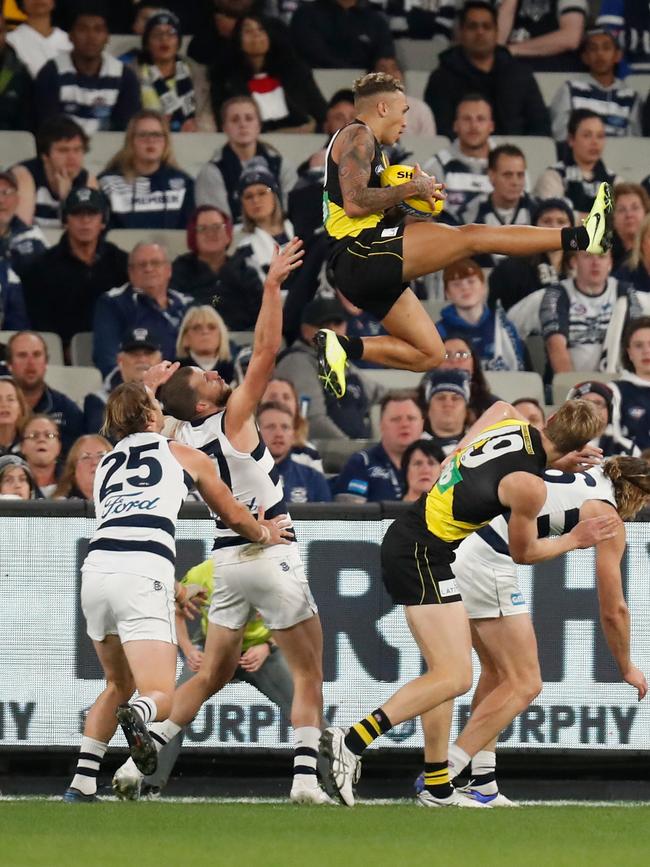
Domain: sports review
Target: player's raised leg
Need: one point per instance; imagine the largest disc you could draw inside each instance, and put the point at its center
(101, 720)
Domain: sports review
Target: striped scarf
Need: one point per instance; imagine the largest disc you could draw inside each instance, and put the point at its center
(175, 95)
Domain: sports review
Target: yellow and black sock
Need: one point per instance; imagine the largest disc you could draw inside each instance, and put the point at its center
(363, 733)
(436, 779)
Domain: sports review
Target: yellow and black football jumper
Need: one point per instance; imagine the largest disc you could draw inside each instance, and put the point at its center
(365, 254)
(418, 548)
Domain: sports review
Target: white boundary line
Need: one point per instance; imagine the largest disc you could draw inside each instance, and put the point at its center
(375, 802)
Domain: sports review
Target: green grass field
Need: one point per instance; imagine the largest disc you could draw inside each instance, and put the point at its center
(48, 834)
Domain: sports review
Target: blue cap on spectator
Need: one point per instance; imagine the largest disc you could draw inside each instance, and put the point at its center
(163, 17)
(139, 338)
(456, 381)
(258, 176)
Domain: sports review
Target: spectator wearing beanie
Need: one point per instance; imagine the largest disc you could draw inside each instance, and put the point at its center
(209, 276)
(16, 480)
(491, 333)
(607, 401)
(447, 406)
(166, 84)
(143, 183)
(263, 223)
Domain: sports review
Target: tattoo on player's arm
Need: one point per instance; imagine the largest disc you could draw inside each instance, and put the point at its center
(355, 162)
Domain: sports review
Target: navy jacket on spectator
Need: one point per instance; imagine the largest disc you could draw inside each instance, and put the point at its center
(61, 291)
(16, 99)
(510, 88)
(235, 292)
(106, 101)
(638, 277)
(303, 484)
(123, 308)
(64, 411)
(335, 38)
(22, 244)
(13, 315)
(163, 200)
(635, 408)
(371, 475)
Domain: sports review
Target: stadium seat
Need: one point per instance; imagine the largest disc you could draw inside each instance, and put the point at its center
(331, 80)
(335, 452)
(551, 82)
(423, 147)
(175, 240)
(418, 53)
(194, 149)
(16, 146)
(392, 379)
(52, 341)
(103, 146)
(75, 382)
(433, 306)
(513, 384)
(628, 157)
(537, 351)
(242, 338)
(81, 349)
(52, 236)
(416, 82)
(295, 148)
(539, 150)
(562, 382)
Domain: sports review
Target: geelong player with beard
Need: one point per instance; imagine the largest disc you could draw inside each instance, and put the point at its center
(221, 423)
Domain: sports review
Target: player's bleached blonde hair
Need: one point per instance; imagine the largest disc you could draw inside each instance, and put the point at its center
(573, 425)
(631, 480)
(374, 83)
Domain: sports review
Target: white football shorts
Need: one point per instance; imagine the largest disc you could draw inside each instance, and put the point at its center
(251, 578)
(135, 607)
(487, 581)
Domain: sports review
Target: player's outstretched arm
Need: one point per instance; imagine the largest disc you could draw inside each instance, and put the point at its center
(524, 494)
(357, 148)
(267, 340)
(614, 613)
(219, 498)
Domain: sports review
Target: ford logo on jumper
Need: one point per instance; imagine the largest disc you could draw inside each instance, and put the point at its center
(124, 503)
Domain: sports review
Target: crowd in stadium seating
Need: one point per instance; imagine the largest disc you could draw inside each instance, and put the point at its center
(118, 246)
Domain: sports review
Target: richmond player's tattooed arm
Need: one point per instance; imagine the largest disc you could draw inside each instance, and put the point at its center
(355, 156)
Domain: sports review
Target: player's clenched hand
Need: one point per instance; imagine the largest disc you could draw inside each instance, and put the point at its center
(591, 531)
(279, 528)
(426, 186)
(158, 374)
(284, 261)
(636, 679)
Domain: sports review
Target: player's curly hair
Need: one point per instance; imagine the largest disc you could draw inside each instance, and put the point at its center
(128, 411)
(631, 480)
(374, 83)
